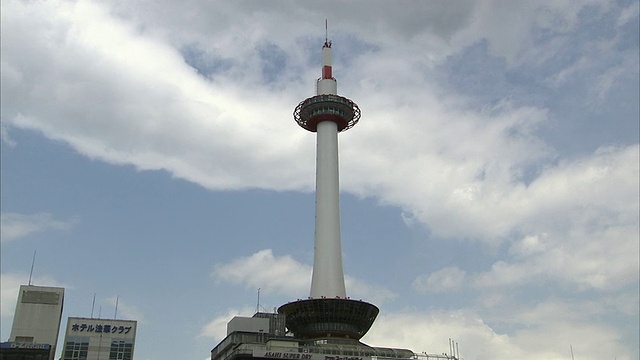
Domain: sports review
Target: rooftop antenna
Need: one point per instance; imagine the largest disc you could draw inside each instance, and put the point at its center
(33, 262)
(258, 303)
(115, 314)
(571, 347)
(93, 305)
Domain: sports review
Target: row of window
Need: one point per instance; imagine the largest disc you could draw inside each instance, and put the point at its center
(120, 350)
(327, 97)
(79, 350)
(327, 110)
(76, 350)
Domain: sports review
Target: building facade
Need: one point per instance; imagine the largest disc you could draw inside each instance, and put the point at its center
(99, 339)
(36, 322)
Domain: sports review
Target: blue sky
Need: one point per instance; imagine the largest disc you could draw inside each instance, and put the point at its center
(489, 192)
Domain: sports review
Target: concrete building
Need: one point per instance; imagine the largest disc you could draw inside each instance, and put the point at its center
(36, 322)
(99, 339)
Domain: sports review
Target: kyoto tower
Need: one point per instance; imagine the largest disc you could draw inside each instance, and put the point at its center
(327, 312)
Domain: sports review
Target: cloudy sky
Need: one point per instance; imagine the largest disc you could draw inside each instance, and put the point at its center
(489, 192)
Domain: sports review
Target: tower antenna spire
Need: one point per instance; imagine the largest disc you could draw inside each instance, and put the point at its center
(327, 43)
(326, 31)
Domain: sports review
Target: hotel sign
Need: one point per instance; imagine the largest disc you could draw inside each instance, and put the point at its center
(101, 328)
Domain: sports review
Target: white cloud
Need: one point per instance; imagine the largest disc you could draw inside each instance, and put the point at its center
(588, 212)
(547, 338)
(121, 82)
(5, 138)
(375, 294)
(273, 275)
(445, 183)
(628, 14)
(283, 275)
(444, 280)
(514, 36)
(529, 245)
(217, 327)
(15, 226)
(430, 332)
(407, 150)
(10, 284)
(125, 310)
(580, 221)
(607, 80)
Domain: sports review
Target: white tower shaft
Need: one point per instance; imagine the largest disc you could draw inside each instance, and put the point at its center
(328, 276)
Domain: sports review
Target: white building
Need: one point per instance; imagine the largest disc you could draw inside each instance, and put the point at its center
(94, 339)
(38, 316)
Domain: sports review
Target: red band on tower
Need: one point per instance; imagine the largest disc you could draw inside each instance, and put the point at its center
(326, 72)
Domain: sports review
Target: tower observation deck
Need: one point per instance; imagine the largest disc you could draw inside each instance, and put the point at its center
(328, 312)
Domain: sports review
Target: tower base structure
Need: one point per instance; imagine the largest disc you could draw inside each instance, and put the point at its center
(264, 337)
(329, 318)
